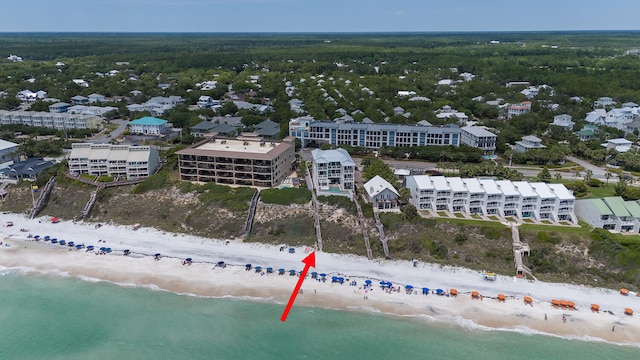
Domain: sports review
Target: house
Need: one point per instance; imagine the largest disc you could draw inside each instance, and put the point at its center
(381, 194)
(564, 121)
(527, 143)
(27, 96)
(60, 121)
(631, 105)
(419, 98)
(596, 117)
(81, 83)
(60, 107)
(619, 117)
(267, 129)
(3, 94)
(80, 100)
(206, 102)
(518, 83)
(488, 197)
(447, 113)
(633, 126)
(588, 132)
(149, 126)
(96, 98)
(296, 106)
(243, 161)
(398, 110)
(131, 162)
(518, 109)
(619, 145)
(333, 172)
(157, 105)
(7, 152)
(610, 213)
(404, 93)
(480, 138)
(603, 101)
(28, 169)
(164, 86)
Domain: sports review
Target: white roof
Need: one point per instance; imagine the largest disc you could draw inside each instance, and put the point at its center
(543, 190)
(440, 183)
(507, 188)
(402, 172)
(561, 191)
(619, 141)
(525, 189)
(423, 182)
(473, 185)
(490, 186)
(338, 155)
(479, 131)
(4, 144)
(456, 184)
(377, 185)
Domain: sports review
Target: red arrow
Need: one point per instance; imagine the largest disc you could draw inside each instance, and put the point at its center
(309, 261)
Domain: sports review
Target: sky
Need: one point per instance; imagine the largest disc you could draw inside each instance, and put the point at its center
(301, 16)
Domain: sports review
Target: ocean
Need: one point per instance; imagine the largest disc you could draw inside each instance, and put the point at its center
(58, 317)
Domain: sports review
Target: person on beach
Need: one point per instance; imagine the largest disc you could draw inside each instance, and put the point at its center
(564, 318)
(545, 316)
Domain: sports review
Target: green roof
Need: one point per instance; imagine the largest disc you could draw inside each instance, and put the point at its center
(148, 120)
(616, 204)
(633, 207)
(602, 208)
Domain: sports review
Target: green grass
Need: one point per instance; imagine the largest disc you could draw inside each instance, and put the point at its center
(234, 199)
(600, 192)
(286, 196)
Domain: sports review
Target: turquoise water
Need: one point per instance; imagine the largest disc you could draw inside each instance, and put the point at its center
(51, 317)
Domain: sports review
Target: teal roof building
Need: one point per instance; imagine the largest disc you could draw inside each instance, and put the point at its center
(149, 126)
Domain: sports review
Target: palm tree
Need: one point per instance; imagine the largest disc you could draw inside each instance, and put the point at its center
(588, 175)
(607, 176)
(558, 177)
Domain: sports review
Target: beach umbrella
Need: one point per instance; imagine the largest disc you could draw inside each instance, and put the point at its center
(292, 250)
(383, 283)
(79, 246)
(425, 291)
(367, 282)
(37, 237)
(188, 259)
(439, 291)
(269, 270)
(341, 280)
(90, 247)
(258, 269)
(107, 250)
(314, 274)
(126, 251)
(155, 256)
(104, 248)
(323, 275)
(280, 271)
(47, 237)
(408, 287)
(292, 272)
(61, 242)
(70, 243)
(54, 240)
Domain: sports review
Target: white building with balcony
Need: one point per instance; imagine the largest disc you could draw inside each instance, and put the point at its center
(479, 137)
(610, 213)
(333, 172)
(127, 161)
(518, 200)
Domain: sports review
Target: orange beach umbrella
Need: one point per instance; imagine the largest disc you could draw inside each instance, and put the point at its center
(628, 311)
(453, 292)
(595, 307)
(624, 291)
(528, 300)
(501, 297)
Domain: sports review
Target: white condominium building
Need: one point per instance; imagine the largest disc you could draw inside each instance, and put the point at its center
(487, 197)
(333, 170)
(131, 162)
(59, 121)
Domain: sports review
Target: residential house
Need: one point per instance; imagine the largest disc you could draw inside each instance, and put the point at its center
(333, 172)
(81, 83)
(242, 161)
(207, 102)
(60, 107)
(149, 126)
(603, 101)
(96, 98)
(610, 213)
(91, 110)
(267, 129)
(23, 170)
(480, 138)
(7, 152)
(527, 143)
(564, 121)
(381, 194)
(596, 117)
(588, 132)
(618, 118)
(80, 100)
(60, 121)
(619, 145)
(130, 162)
(518, 109)
(447, 113)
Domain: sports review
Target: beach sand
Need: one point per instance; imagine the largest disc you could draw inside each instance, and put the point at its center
(204, 278)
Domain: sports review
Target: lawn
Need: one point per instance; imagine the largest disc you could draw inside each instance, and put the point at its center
(286, 196)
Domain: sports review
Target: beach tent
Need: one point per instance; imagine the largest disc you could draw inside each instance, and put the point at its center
(628, 311)
(624, 292)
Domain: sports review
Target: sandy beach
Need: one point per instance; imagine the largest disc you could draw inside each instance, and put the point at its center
(203, 278)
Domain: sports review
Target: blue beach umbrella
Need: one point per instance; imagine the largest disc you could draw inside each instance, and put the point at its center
(439, 291)
(367, 282)
(425, 291)
(54, 240)
(79, 246)
(37, 237)
(280, 271)
(70, 243)
(90, 247)
(269, 270)
(292, 272)
(61, 242)
(258, 269)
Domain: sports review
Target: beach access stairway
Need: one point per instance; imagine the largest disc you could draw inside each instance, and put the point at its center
(87, 208)
(519, 249)
(44, 194)
(316, 211)
(365, 234)
(383, 238)
(252, 213)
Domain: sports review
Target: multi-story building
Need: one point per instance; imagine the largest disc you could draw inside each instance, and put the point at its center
(333, 171)
(149, 126)
(479, 137)
(61, 121)
(127, 161)
(372, 136)
(610, 213)
(246, 161)
(518, 109)
(527, 143)
(487, 197)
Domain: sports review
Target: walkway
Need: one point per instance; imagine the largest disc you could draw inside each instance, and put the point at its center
(43, 197)
(367, 244)
(316, 212)
(519, 249)
(383, 238)
(252, 213)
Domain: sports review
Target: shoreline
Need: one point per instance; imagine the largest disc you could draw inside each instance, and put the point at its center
(203, 278)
